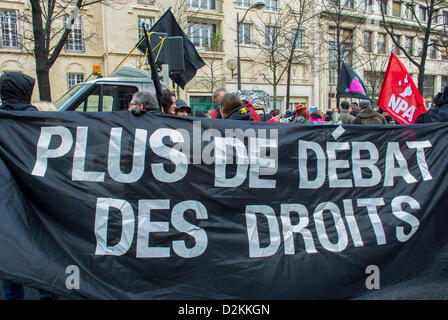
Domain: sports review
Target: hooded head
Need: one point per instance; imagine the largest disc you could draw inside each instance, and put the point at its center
(445, 92)
(16, 88)
(441, 98)
(364, 104)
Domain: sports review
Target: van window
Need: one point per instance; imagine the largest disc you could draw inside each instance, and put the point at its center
(93, 101)
(67, 95)
(108, 103)
(117, 97)
(114, 98)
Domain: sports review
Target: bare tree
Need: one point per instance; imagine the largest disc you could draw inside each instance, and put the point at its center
(47, 28)
(211, 76)
(344, 21)
(187, 14)
(374, 70)
(297, 50)
(274, 34)
(427, 26)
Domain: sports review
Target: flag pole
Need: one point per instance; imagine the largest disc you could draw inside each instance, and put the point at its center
(154, 73)
(127, 56)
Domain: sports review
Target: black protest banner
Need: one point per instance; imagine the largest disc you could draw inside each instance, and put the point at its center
(112, 206)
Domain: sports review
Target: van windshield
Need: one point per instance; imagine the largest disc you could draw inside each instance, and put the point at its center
(70, 93)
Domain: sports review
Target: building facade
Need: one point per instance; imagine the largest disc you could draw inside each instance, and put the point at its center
(300, 34)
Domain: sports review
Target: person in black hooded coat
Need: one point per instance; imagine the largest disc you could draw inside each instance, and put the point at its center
(16, 90)
(438, 112)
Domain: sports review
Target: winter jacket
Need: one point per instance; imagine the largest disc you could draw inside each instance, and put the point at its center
(275, 120)
(241, 113)
(316, 120)
(442, 115)
(301, 120)
(246, 103)
(438, 110)
(335, 117)
(216, 114)
(140, 112)
(369, 116)
(16, 90)
(346, 118)
(441, 100)
(255, 116)
(354, 113)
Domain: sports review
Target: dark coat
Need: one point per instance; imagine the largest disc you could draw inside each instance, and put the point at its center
(253, 114)
(346, 118)
(354, 113)
(369, 116)
(429, 116)
(216, 114)
(16, 90)
(138, 112)
(441, 100)
(442, 115)
(301, 120)
(241, 113)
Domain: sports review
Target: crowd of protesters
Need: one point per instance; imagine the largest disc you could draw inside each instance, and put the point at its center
(16, 91)
(231, 106)
(228, 106)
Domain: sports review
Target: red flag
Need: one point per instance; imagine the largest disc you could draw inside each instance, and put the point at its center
(399, 96)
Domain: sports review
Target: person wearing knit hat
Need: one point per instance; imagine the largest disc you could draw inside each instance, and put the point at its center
(302, 114)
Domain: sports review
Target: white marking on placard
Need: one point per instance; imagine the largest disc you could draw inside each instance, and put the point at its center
(338, 132)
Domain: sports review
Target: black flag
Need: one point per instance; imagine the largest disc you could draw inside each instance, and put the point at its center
(168, 24)
(154, 74)
(350, 84)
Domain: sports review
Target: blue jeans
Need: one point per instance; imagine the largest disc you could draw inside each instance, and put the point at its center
(15, 291)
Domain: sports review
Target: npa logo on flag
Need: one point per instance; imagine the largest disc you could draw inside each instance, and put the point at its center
(399, 96)
(350, 84)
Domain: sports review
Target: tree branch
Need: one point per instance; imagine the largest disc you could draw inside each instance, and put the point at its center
(392, 35)
(61, 42)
